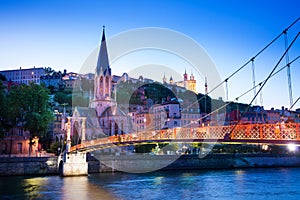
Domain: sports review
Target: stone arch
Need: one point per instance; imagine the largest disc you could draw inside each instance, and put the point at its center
(61, 168)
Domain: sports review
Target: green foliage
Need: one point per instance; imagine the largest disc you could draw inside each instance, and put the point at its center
(157, 92)
(49, 71)
(205, 103)
(144, 148)
(133, 93)
(147, 148)
(55, 146)
(63, 97)
(2, 77)
(28, 105)
(124, 92)
(171, 147)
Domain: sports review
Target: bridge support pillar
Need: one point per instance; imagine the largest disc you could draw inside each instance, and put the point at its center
(74, 164)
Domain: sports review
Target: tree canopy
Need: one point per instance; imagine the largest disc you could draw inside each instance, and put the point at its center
(28, 105)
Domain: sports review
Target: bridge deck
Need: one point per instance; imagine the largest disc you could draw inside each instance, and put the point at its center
(250, 133)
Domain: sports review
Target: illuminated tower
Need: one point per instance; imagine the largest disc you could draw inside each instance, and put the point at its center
(102, 82)
(192, 83)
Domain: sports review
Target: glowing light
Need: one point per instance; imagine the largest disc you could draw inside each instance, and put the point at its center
(265, 147)
(292, 147)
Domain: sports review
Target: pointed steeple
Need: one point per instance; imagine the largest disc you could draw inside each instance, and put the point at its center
(164, 78)
(192, 76)
(185, 76)
(206, 87)
(171, 80)
(103, 63)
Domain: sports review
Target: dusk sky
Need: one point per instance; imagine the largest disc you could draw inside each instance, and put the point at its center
(62, 34)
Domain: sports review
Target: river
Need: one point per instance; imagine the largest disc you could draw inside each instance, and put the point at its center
(260, 183)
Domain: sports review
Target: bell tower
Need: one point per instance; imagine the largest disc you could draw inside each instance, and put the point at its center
(103, 79)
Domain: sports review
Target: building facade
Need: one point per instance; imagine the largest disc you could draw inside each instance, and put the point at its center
(187, 83)
(16, 143)
(24, 76)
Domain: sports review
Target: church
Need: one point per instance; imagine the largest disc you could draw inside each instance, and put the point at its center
(102, 117)
(188, 84)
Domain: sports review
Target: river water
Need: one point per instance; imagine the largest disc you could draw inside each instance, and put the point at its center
(265, 183)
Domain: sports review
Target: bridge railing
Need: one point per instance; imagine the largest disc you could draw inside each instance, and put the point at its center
(251, 132)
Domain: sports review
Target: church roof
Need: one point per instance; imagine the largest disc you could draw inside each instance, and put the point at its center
(103, 63)
(112, 111)
(84, 112)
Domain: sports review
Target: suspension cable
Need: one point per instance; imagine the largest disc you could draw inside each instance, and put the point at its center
(288, 70)
(294, 103)
(264, 83)
(226, 88)
(261, 105)
(262, 50)
(259, 84)
(235, 72)
(253, 79)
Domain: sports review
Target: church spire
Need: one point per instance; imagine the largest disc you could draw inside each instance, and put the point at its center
(192, 76)
(102, 63)
(206, 87)
(185, 76)
(164, 78)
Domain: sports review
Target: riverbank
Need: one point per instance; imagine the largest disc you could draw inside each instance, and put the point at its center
(144, 163)
(20, 166)
(147, 163)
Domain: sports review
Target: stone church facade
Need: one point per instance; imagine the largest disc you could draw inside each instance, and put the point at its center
(102, 117)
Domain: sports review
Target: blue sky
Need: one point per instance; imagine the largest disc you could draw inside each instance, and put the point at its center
(61, 34)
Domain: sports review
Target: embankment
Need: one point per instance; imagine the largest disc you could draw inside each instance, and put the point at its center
(28, 166)
(145, 163)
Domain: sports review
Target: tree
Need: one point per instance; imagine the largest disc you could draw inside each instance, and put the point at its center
(62, 97)
(49, 71)
(2, 77)
(28, 106)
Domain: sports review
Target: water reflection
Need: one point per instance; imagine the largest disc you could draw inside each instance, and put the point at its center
(51, 187)
(81, 188)
(246, 184)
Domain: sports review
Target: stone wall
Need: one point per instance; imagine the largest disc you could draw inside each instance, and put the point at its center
(28, 166)
(145, 163)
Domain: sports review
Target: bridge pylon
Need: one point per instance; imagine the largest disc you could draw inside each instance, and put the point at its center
(72, 163)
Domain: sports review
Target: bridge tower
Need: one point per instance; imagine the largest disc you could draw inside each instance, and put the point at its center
(73, 163)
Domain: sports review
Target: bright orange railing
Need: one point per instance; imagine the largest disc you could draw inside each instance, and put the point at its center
(249, 132)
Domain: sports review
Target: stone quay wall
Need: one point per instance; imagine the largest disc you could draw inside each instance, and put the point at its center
(144, 163)
(28, 166)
